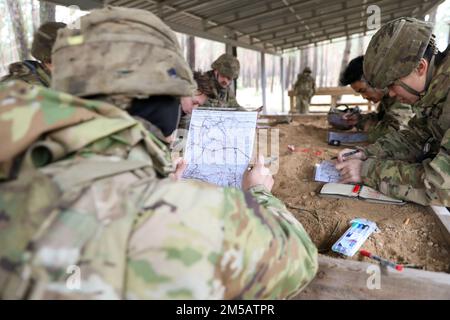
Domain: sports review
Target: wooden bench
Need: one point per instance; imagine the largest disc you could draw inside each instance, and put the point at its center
(335, 93)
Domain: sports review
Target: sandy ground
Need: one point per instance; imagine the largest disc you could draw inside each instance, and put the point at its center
(409, 234)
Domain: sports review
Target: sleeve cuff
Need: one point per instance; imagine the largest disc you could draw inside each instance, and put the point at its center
(367, 168)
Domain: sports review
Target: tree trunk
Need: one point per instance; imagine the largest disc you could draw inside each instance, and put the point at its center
(34, 14)
(287, 83)
(315, 62)
(325, 66)
(360, 46)
(273, 73)
(346, 55)
(258, 72)
(448, 41)
(19, 28)
(303, 60)
(190, 43)
(46, 12)
(432, 15)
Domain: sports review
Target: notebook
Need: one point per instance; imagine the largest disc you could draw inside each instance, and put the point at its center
(347, 137)
(326, 172)
(340, 190)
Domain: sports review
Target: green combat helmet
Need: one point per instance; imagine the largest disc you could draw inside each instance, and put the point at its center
(44, 39)
(395, 50)
(307, 70)
(103, 58)
(227, 65)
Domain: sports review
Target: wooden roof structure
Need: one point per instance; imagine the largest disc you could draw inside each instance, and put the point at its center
(271, 26)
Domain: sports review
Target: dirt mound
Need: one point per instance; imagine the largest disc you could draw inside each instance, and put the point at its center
(409, 234)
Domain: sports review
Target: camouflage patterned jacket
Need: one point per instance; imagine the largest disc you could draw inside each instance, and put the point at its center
(305, 85)
(392, 116)
(398, 165)
(223, 98)
(88, 217)
(30, 71)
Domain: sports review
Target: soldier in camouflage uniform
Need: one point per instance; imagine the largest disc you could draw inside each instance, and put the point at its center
(304, 90)
(411, 164)
(225, 69)
(391, 116)
(86, 211)
(32, 71)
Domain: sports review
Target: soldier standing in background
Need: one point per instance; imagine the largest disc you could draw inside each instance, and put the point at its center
(304, 90)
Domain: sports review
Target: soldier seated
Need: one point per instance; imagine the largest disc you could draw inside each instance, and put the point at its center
(87, 190)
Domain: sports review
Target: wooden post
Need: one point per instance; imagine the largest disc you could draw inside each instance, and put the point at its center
(348, 279)
(443, 215)
(190, 41)
(263, 81)
(282, 82)
(334, 100)
(291, 101)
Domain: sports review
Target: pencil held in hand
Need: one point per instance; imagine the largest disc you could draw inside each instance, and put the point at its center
(348, 154)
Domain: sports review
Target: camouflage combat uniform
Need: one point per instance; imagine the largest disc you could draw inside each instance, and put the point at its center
(32, 71)
(228, 66)
(104, 210)
(412, 164)
(391, 116)
(223, 98)
(90, 200)
(304, 90)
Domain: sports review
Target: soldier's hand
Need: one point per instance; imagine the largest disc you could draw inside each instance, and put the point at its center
(257, 175)
(350, 171)
(180, 165)
(360, 155)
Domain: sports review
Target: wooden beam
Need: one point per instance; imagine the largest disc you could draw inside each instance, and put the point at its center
(282, 82)
(347, 279)
(297, 37)
(281, 9)
(443, 216)
(216, 37)
(314, 19)
(192, 7)
(82, 4)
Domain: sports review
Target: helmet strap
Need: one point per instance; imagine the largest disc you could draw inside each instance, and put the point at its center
(429, 76)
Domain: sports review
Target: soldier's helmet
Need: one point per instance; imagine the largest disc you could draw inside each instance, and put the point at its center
(395, 50)
(120, 51)
(227, 65)
(307, 70)
(44, 39)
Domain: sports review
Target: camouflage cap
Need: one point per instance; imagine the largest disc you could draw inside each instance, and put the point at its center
(227, 65)
(120, 51)
(307, 70)
(395, 50)
(44, 39)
